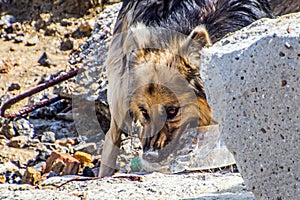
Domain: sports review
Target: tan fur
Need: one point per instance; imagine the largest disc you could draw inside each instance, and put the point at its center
(153, 74)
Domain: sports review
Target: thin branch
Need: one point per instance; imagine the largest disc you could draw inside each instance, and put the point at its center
(35, 90)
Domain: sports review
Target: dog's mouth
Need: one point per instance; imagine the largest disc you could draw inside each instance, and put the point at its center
(154, 154)
(191, 149)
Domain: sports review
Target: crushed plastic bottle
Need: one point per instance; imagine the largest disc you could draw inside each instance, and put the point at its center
(197, 149)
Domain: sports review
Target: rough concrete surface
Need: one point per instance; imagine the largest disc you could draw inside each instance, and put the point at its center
(190, 186)
(252, 78)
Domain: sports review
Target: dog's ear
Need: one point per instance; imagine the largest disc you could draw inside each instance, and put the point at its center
(191, 47)
(199, 35)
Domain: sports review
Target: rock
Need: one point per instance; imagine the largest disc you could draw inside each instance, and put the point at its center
(52, 174)
(86, 27)
(2, 179)
(7, 19)
(62, 164)
(16, 155)
(3, 141)
(50, 30)
(19, 39)
(45, 18)
(84, 30)
(7, 129)
(13, 177)
(31, 176)
(252, 78)
(44, 60)
(92, 120)
(65, 22)
(17, 27)
(84, 158)
(88, 172)
(18, 142)
(23, 127)
(66, 142)
(39, 166)
(66, 44)
(7, 167)
(9, 36)
(61, 129)
(7, 64)
(43, 155)
(86, 147)
(32, 39)
(48, 137)
(14, 86)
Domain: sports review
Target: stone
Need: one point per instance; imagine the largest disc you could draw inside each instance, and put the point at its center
(16, 155)
(65, 142)
(86, 27)
(44, 60)
(13, 177)
(7, 19)
(14, 86)
(62, 164)
(65, 22)
(6, 65)
(89, 147)
(43, 155)
(7, 167)
(32, 39)
(2, 179)
(84, 158)
(23, 127)
(48, 137)
(252, 80)
(31, 176)
(66, 44)
(7, 129)
(19, 39)
(18, 142)
(88, 172)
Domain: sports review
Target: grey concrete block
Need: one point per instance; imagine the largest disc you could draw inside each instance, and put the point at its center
(253, 78)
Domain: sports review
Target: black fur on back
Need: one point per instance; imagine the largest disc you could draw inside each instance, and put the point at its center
(219, 16)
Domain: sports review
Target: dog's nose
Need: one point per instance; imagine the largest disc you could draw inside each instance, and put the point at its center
(158, 117)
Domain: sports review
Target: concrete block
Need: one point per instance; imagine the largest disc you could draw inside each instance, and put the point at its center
(31, 176)
(62, 164)
(252, 78)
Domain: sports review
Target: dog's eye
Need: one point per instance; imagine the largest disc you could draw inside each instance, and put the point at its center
(172, 112)
(145, 113)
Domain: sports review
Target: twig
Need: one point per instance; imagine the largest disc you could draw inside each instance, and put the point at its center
(35, 90)
(131, 177)
(78, 179)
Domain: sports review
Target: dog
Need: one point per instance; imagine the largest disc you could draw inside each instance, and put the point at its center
(153, 67)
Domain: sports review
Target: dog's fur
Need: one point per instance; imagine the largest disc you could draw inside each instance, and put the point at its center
(153, 66)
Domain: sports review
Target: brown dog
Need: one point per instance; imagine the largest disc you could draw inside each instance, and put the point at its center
(158, 86)
(153, 67)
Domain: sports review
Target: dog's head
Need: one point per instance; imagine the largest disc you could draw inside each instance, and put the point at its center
(166, 92)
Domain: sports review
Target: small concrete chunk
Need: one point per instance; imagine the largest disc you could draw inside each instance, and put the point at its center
(31, 176)
(86, 147)
(252, 79)
(2, 179)
(18, 142)
(48, 137)
(84, 158)
(62, 164)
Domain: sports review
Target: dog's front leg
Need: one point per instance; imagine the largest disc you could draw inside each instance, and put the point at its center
(110, 150)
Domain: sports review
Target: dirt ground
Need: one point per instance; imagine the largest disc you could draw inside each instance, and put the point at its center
(56, 34)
